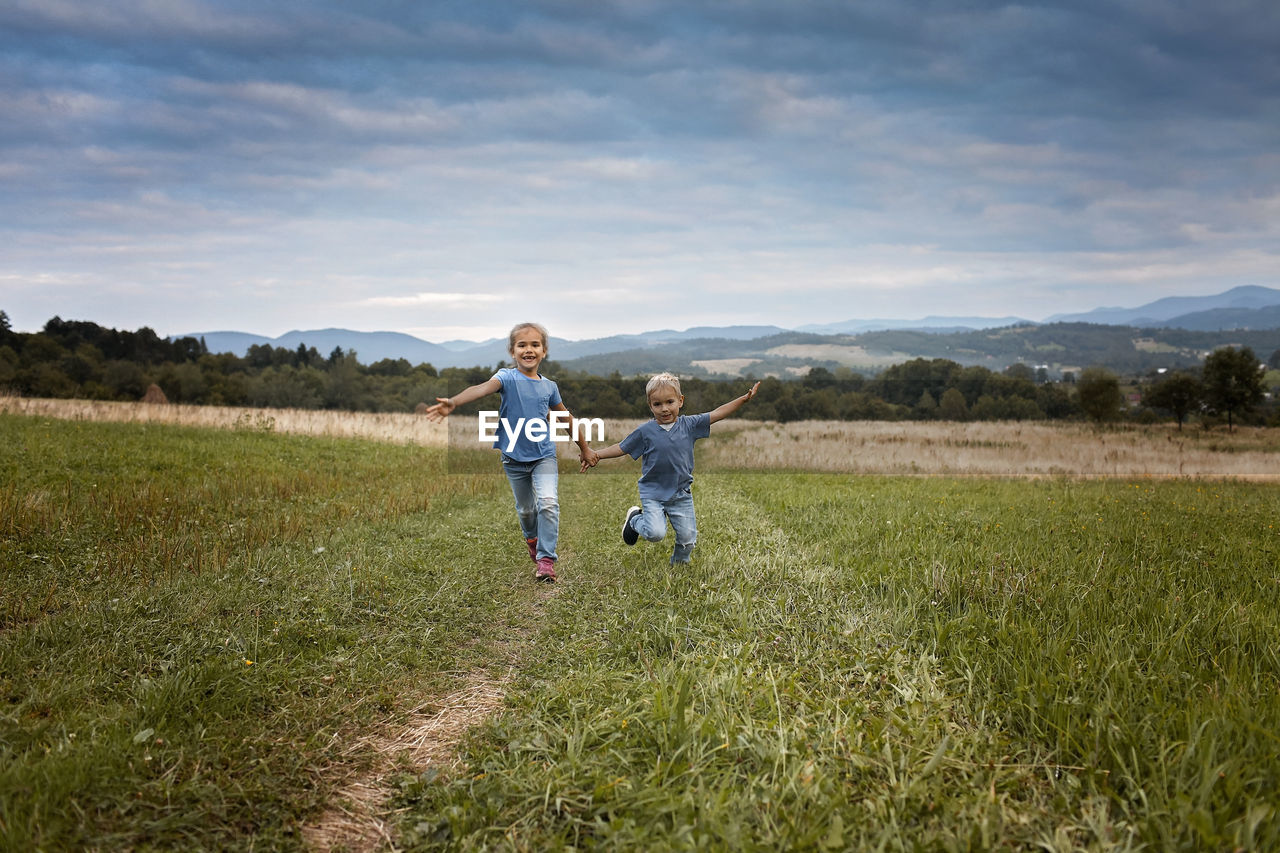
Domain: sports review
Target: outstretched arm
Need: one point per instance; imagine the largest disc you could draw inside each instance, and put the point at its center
(721, 412)
(445, 405)
(613, 451)
(585, 453)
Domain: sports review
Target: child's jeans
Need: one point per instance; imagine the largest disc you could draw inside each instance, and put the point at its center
(652, 525)
(534, 485)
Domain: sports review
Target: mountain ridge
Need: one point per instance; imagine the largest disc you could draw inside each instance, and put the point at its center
(713, 348)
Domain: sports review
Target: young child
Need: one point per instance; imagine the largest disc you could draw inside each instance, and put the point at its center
(666, 472)
(530, 466)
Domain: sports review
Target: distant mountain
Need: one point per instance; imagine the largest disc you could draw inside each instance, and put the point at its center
(1163, 311)
(369, 346)
(1227, 318)
(237, 343)
(375, 346)
(928, 324)
(857, 344)
(459, 346)
(1057, 347)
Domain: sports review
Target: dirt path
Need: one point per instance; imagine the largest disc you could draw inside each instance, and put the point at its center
(359, 816)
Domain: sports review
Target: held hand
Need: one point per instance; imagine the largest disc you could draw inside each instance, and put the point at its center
(440, 410)
(752, 392)
(589, 459)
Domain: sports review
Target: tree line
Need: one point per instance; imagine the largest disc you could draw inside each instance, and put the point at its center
(77, 359)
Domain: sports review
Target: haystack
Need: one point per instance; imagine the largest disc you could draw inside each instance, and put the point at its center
(154, 395)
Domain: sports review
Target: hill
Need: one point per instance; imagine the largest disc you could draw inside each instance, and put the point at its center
(1170, 332)
(1168, 311)
(1057, 347)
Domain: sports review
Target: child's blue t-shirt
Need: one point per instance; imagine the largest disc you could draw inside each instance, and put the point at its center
(667, 469)
(523, 397)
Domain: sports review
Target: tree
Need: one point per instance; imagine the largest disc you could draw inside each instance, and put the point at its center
(952, 406)
(1180, 393)
(1054, 400)
(1018, 370)
(926, 406)
(1273, 362)
(1232, 382)
(1098, 390)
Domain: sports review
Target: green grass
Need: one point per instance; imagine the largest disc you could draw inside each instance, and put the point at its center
(193, 624)
(849, 663)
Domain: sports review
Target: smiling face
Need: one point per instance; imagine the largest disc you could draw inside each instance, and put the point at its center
(665, 403)
(528, 349)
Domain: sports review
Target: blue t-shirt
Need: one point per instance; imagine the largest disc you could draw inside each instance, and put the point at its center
(523, 397)
(667, 469)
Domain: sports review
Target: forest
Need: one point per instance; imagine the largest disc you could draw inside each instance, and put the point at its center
(80, 359)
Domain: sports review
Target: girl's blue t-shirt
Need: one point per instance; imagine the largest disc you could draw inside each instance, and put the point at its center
(523, 397)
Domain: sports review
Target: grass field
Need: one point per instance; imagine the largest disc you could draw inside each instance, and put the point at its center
(247, 639)
(910, 448)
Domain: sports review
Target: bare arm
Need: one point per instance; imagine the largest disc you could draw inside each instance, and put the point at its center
(613, 451)
(721, 412)
(585, 452)
(445, 405)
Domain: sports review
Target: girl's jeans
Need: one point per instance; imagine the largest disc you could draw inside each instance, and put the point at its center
(534, 486)
(651, 524)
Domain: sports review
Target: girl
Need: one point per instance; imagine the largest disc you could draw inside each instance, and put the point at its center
(530, 465)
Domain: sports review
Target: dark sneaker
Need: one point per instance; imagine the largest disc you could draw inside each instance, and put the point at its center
(533, 549)
(629, 534)
(546, 570)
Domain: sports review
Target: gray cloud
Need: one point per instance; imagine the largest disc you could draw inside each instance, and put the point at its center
(876, 153)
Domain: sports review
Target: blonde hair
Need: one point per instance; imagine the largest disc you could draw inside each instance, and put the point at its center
(511, 338)
(662, 380)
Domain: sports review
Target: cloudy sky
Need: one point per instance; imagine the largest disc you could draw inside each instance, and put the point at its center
(448, 168)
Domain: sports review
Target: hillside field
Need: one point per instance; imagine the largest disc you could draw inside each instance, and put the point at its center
(251, 639)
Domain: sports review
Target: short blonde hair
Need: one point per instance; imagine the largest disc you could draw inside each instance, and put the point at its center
(662, 380)
(511, 338)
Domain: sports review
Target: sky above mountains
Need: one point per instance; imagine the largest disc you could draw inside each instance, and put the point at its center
(448, 169)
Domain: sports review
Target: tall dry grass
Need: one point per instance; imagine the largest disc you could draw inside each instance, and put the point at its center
(985, 449)
(999, 449)
(399, 428)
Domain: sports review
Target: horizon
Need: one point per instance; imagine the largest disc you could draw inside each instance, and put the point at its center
(501, 334)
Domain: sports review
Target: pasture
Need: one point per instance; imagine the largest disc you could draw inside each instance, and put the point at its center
(244, 638)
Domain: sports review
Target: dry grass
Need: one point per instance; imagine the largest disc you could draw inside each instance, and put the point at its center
(728, 366)
(401, 428)
(1020, 450)
(985, 449)
(358, 818)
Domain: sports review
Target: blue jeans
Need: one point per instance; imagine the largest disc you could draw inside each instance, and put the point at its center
(651, 524)
(534, 485)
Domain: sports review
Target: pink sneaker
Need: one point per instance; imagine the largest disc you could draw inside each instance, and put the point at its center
(546, 570)
(533, 549)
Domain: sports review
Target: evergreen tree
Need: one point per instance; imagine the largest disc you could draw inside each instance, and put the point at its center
(952, 406)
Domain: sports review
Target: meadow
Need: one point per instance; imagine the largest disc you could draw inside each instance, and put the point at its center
(250, 639)
(912, 448)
